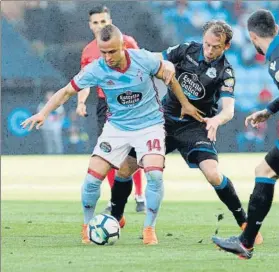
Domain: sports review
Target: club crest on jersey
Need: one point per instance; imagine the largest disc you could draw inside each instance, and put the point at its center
(105, 147)
(140, 74)
(211, 72)
(129, 98)
(191, 86)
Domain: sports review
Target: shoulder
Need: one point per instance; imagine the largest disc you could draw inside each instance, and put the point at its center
(228, 70)
(130, 42)
(89, 47)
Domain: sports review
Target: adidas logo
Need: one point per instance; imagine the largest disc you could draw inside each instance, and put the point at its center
(110, 82)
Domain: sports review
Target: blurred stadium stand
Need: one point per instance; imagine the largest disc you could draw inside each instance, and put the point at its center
(42, 43)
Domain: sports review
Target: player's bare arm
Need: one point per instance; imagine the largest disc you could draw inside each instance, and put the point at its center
(81, 106)
(186, 107)
(58, 99)
(225, 115)
(168, 68)
(257, 117)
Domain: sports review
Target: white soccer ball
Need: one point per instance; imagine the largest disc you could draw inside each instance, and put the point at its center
(103, 229)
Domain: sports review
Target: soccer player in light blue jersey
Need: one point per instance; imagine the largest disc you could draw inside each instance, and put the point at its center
(134, 120)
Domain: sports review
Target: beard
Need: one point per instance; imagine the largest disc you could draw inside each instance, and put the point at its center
(259, 50)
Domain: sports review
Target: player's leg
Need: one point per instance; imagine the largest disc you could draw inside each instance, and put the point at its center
(139, 198)
(199, 151)
(261, 199)
(150, 149)
(223, 186)
(259, 205)
(122, 187)
(90, 191)
(110, 151)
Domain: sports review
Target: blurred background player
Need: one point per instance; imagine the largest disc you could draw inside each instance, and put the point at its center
(98, 18)
(264, 35)
(52, 128)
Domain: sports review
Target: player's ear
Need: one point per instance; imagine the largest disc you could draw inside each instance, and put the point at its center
(124, 45)
(227, 46)
(276, 28)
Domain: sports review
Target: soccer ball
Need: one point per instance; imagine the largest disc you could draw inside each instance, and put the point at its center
(103, 229)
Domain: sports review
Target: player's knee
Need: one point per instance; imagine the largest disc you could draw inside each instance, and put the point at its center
(124, 172)
(263, 170)
(214, 177)
(154, 178)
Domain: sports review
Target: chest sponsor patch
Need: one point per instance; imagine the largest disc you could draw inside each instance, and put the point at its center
(129, 98)
(191, 86)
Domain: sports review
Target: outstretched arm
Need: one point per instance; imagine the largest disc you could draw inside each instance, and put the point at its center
(81, 106)
(58, 99)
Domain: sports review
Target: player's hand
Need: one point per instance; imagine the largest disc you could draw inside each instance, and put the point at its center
(257, 117)
(191, 110)
(168, 71)
(81, 109)
(38, 119)
(212, 125)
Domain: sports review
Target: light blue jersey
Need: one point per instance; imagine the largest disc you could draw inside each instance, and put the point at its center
(131, 95)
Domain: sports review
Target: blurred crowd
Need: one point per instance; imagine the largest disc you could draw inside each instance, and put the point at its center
(156, 25)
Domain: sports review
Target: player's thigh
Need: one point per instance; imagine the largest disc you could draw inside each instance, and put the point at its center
(149, 145)
(128, 167)
(99, 166)
(194, 145)
(269, 167)
(113, 145)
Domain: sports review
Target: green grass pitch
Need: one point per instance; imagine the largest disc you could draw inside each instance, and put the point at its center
(41, 220)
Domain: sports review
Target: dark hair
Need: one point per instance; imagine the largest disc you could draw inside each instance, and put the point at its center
(218, 28)
(262, 23)
(106, 33)
(99, 9)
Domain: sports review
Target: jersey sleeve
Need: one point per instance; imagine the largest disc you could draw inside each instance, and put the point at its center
(228, 83)
(273, 106)
(152, 63)
(175, 53)
(86, 77)
(130, 42)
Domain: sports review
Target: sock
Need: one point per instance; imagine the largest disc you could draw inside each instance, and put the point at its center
(90, 193)
(110, 177)
(138, 183)
(120, 192)
(259, 206)
(228, 196)
(153, 193)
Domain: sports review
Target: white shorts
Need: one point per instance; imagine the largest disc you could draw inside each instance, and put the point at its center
(114, 144)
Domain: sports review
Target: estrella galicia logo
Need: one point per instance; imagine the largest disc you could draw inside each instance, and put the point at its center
(191, 86)
(15, 118)
(105, 146)
(129, 98)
